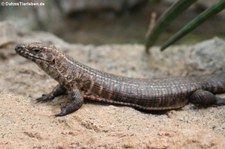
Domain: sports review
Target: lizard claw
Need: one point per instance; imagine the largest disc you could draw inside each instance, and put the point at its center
(64, 110)
(45, 98)
(60, 114)
(67, 109)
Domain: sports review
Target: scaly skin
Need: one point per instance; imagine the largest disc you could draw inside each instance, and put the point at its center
(81, 82)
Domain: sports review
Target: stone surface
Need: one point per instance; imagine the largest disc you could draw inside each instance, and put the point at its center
(11, 35)
(27, 124)
(202, 58)
(208, 55)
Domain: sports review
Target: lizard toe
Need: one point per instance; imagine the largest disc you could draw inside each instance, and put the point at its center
(45, 98)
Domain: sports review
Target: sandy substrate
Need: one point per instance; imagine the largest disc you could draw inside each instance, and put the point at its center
(27, 124)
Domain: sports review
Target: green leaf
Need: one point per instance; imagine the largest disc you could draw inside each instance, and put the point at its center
(214, 9)
(176, 9)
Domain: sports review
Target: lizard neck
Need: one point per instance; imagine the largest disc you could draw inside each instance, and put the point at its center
(64, 70)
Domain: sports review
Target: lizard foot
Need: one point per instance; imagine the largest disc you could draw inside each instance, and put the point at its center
(68, 108)
(65, 109)
(45, 98)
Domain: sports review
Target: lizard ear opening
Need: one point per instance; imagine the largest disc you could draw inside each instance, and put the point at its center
(53, 61)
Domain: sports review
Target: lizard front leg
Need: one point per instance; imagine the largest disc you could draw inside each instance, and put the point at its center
(77, 101)
(57, 91)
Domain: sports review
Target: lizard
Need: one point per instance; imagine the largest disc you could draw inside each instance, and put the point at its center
(80, 82)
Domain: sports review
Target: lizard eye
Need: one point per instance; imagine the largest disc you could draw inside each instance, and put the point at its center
(36, 50)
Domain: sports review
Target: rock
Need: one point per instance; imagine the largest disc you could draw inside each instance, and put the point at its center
(8, 33)
(202, 58)
(11, 34)
(208, 56)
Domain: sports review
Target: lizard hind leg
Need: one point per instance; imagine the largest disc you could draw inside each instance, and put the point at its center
(202, 97)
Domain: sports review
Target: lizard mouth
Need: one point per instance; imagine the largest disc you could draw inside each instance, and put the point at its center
(24, 52)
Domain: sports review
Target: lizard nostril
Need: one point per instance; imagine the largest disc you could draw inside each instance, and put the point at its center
(19, 48)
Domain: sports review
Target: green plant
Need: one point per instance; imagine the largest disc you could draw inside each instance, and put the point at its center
(172, 12)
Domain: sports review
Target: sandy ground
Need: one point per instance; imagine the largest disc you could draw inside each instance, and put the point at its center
(27, 124)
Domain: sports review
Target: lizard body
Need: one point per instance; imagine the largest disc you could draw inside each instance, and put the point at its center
(81, 82)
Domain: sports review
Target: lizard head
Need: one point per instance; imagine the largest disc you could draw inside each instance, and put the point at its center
(38, 53)
(48, 58)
